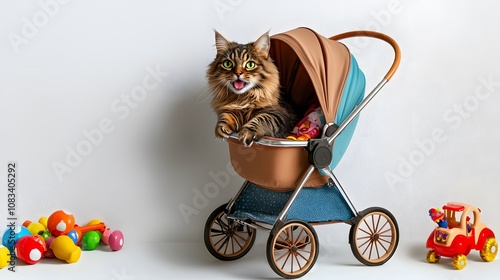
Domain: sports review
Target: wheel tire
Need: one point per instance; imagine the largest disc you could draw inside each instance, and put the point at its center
(432, 257)
(459, 261)
(293, 251)
(490, 249)
(226, 239)
(375, 228)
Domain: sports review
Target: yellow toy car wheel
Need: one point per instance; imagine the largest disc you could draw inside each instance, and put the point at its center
(490, 249)
(459, 261)
(432, 257)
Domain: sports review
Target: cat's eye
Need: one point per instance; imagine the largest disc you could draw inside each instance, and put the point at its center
(227, 64)
(250, 65)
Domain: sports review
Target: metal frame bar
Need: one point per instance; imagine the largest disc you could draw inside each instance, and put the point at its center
(274, 142)
(329, 172)
(233, 200)
(357, 110)
(290, 201)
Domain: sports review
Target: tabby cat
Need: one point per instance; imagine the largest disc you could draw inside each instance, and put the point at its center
(246, 92)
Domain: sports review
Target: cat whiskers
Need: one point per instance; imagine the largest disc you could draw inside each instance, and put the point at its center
(227, 88)
(201, 96)
(220, 89)
(209, 90)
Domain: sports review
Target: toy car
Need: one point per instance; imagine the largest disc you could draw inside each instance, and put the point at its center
(460, 230)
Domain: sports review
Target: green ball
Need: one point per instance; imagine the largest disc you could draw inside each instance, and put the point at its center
(90, 240)
(45, 235)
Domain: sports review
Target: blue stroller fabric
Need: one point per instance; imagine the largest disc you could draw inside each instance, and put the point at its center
(352, 95)
(263, 205)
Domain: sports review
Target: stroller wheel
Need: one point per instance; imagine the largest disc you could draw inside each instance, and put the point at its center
(226, 239)
(374, 236)
(292, 252)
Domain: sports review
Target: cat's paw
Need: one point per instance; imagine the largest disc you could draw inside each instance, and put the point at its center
(223, 130)
(247, 137)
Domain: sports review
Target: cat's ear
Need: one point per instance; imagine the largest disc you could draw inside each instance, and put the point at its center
(263, 44)
(221, 43)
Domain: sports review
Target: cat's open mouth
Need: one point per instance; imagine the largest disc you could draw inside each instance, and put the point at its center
(239, 84)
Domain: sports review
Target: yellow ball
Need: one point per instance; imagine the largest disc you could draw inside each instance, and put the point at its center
(94, 222)
(43, 220)
(4, 257)
(35, 228)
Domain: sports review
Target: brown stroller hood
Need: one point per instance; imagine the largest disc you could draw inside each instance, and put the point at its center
(312, 69)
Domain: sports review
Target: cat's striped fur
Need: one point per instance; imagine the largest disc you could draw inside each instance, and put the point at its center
(246, 91)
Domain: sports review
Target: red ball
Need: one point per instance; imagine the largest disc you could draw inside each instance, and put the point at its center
(30, 249)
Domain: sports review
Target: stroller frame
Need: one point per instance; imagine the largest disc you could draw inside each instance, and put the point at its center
(223, 222)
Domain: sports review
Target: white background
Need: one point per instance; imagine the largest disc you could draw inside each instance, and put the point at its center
(66, 68)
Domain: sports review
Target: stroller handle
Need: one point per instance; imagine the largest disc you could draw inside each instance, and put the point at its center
(377, 35)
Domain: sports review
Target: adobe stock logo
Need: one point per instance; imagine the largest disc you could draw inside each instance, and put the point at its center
(218, 182)
(223, 6)
(453, 117)
(380, 20)
(31, 27)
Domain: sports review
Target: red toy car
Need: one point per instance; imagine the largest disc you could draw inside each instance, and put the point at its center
(460, 230)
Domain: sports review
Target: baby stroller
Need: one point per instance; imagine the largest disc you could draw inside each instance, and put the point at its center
(289, 184)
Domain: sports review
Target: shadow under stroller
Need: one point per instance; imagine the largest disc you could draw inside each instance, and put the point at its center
(289, 184)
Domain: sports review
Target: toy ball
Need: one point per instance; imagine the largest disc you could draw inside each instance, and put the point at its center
(45, 235)
(26, 223)
(94, 222)
(65, 249)
(13, 234)
(43, 220)
(35, 228)
(4, 257)
(60, 223)
(76, 236)
(116, 240)
(49, 253)
(90, 240)
(105, 236)
(30, 249)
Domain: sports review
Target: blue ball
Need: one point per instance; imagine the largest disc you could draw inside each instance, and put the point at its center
(12, 235)
(74, 236)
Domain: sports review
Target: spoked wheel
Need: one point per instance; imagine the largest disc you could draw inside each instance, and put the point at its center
(374, 237)
(226, 239)
(292, 252)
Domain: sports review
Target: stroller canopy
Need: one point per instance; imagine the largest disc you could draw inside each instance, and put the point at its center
(314, 68)
(317, 69)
